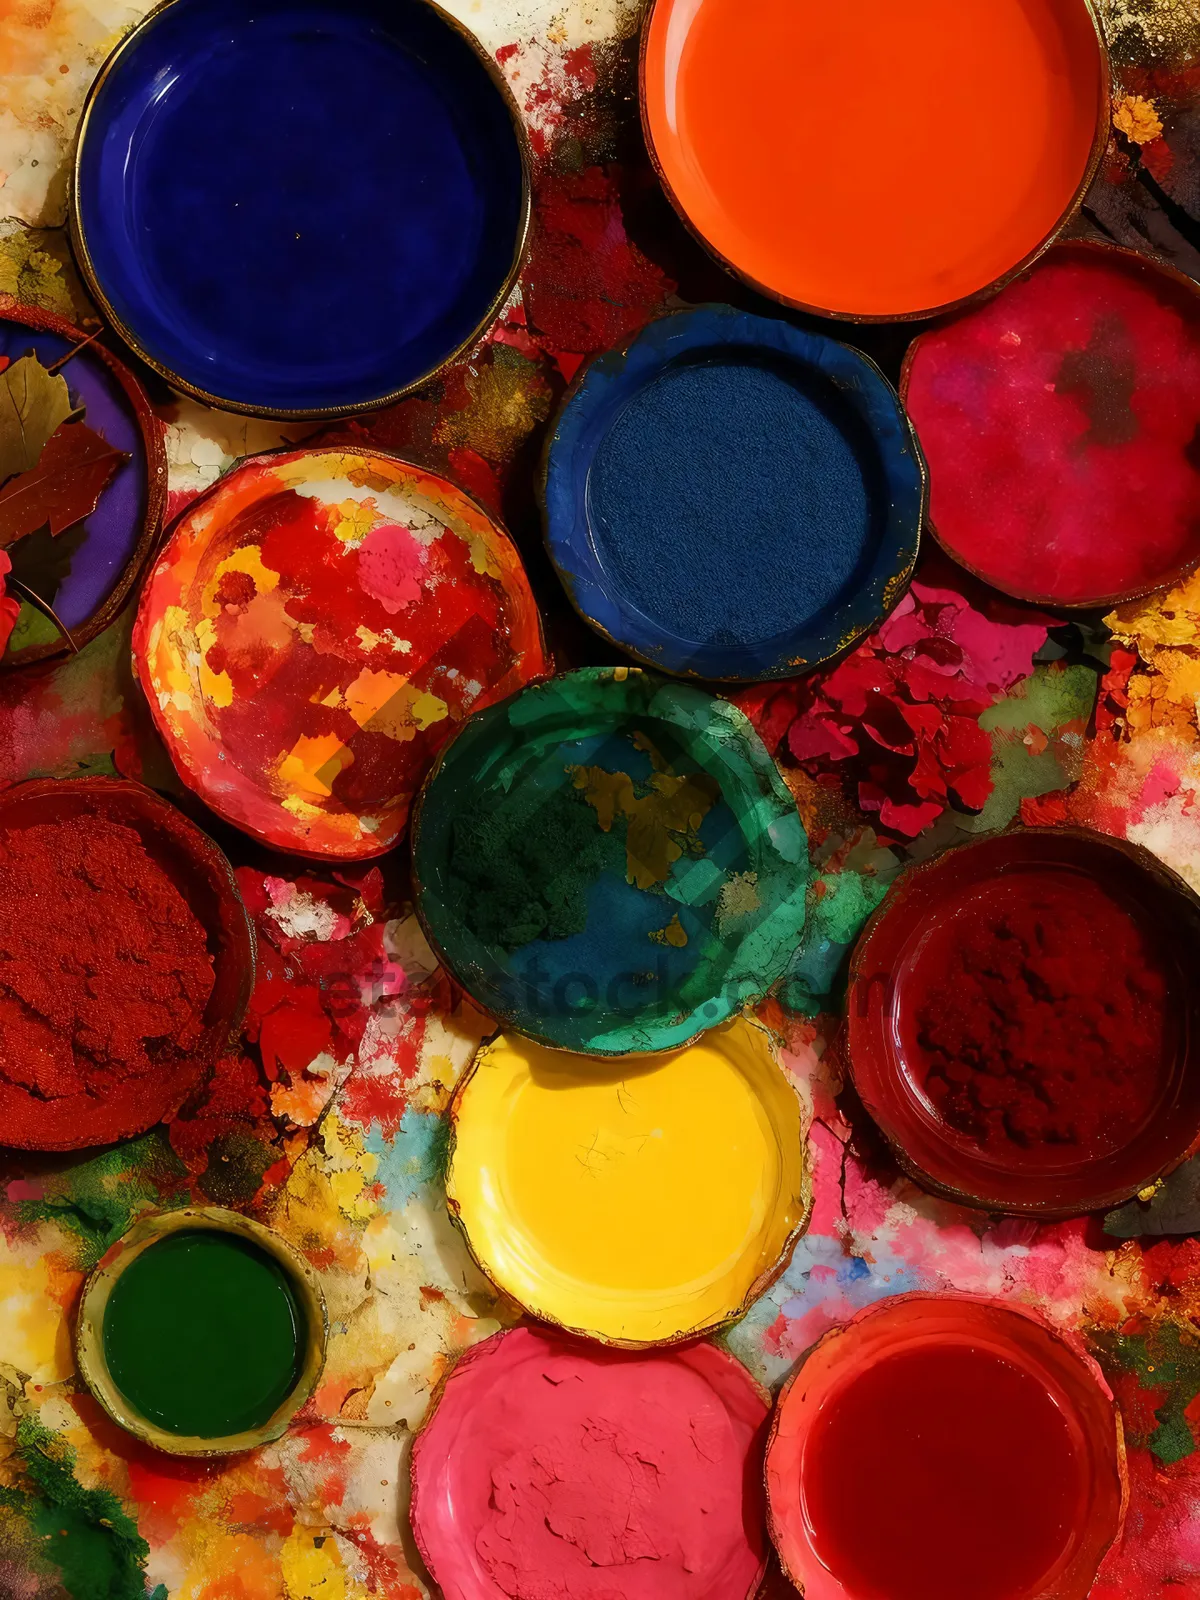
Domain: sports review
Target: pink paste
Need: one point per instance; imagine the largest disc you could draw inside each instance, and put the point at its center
(392, 567)
(553, 1470)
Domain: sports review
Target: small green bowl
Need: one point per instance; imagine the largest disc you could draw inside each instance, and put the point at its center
(308, 1300)
(610, 862)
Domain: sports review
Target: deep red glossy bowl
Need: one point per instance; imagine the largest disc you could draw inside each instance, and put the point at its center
(887, 1066)
(205, 879)
(1058, 1367)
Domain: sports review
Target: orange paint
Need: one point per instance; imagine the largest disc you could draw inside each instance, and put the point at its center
(873, 158)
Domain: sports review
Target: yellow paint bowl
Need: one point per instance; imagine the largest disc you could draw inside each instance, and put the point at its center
(637, 1202)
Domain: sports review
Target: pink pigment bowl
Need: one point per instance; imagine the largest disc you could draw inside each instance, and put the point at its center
(557, 1469)
(1061, 425)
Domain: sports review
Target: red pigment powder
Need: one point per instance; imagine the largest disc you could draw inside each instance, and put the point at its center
(941, 1473)
(104, 977)
(1037, 1017)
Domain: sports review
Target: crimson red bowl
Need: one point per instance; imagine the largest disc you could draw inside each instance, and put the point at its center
(205, 879)
(891, 1018)
(960, 1458)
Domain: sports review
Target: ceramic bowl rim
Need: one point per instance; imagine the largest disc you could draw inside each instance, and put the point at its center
(527, 1024)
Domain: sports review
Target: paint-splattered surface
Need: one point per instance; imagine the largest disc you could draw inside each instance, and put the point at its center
(964, 712)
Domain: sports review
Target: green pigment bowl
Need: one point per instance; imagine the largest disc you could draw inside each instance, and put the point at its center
(609, 862)
(243, 1329)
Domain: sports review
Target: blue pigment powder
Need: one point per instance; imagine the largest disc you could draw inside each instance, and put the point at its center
(730, 505)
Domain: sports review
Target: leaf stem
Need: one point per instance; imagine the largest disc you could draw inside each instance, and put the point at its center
(43, 606)
(71, 354)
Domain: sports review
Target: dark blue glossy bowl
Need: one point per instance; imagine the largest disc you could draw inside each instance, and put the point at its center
(300, 208)
(822, 403)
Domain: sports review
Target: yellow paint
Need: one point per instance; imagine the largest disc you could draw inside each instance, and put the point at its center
(662, 822)
(673, 934)
(313, 763)
(248, 560)
(1137, 119)
(35, 1334)
(225, 1566)
(215, 687)
(387, 703)
(358, 517)
(638, 1200)
(312, 1571)
(1165, 631)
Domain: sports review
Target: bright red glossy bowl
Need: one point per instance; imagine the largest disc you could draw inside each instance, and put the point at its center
(1056, 1374)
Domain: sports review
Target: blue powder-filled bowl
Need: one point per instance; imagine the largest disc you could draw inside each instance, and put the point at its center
(299, 207)
(731, 498)
(610, 862)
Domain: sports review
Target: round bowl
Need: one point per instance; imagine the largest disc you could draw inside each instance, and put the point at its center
(787, 132)
(640, 1204)
(313, 629)
(308, 1303)
(1101, 940)
(946, 1350)
(652, 444)
(87, 571)
(312, 262)
(205, 879)
(551, 1466)
(1059, 422)
(609, 862)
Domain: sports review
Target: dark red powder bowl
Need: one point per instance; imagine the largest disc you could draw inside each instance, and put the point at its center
(1023, 1022)
(940, 1446)
(119, 1108)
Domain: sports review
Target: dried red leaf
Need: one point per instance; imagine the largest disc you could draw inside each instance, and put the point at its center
(10, 609)
(72, 473)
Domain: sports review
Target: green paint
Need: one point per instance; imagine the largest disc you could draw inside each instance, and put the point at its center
(522, 868)
(1165, 1360)
(85, 1533)
(95, 1201)
(203, 1334)
(1056, 699)
(839, 905)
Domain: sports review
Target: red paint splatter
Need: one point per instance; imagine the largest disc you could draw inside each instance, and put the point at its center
(588, 286)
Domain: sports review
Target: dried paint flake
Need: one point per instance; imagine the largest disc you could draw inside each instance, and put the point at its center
(900, 715)
(1137, 119)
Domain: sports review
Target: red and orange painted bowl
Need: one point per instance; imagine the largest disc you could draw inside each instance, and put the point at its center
(1091, 1150)
(876, 161)
(1059, 423)
(315, 628)
(205, 879)
(940, 1446)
